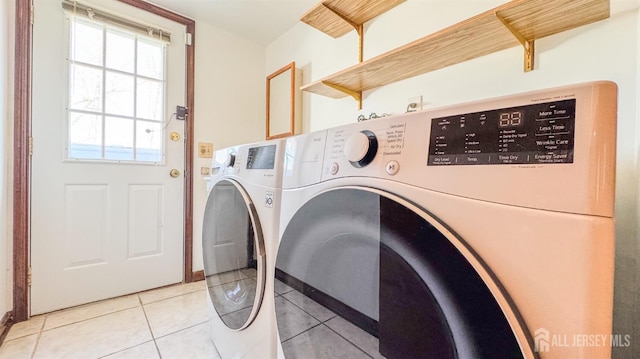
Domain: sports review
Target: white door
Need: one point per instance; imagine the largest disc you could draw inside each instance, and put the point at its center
(107, 217)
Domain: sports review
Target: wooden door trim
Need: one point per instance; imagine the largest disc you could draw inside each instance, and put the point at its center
(22, 157)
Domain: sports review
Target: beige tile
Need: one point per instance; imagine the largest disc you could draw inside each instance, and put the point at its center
(363, 340)
(95, 337)
(193, 342)
(18, 348)
(22, 329)
(321, 343)
(280, 287)
(88, 311)
(291, 319)
(146, 350)
(309, 305)
(171, 291)
(177, 313)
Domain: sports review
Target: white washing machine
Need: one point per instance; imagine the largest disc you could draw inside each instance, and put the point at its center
(240, 231)
(483, 230)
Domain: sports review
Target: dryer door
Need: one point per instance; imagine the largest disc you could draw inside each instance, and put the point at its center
(234, 256)
(373, 274)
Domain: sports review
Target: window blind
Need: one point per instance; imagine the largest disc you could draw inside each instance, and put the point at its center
(80, 9)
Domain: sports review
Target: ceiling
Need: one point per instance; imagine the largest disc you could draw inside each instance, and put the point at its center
(261, 21)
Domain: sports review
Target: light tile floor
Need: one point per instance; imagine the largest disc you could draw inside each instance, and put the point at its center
(169, 322)
(308, 330)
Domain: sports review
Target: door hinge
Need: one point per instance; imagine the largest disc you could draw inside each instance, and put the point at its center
(29, 276)
(30, 146)
(187, 38)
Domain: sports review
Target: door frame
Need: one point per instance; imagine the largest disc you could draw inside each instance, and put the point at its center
(22, 149)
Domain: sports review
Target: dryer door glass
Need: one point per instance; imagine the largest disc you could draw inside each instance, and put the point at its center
(361, 271)
(233, 250)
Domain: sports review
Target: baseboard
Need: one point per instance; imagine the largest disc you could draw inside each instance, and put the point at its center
(5, 325)
(198, 275)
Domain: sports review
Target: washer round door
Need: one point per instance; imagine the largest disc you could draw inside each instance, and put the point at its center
(234, 255)
(370, 272)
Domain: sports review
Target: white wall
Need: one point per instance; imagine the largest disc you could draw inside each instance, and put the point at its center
(229, 105)
(607, 50)
(6, 153)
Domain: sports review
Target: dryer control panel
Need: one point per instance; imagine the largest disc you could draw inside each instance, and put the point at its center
(530, 134)
(560, 141)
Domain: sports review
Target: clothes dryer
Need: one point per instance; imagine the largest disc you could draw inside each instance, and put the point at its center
(240, 230)
(482, 230)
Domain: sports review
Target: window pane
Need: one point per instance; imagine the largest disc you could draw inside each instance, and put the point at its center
(150, 102)
(149, 141)
(119, 94)
(118, 139)
(120, 48)
(86, 88)
(150, 59)
(85, 136)
(86, 42)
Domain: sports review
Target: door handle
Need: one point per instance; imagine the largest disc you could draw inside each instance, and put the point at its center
(174, 173)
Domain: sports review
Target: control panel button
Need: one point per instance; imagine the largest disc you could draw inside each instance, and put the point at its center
(392, 167)
(333, 169)
(361, 148)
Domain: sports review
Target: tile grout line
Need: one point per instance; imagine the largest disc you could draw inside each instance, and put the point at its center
(153, 337)
(317, 325)
(180, 330)
(85, 319)
(35, 347)
(321, 322)
(347, 340)
(309, 314)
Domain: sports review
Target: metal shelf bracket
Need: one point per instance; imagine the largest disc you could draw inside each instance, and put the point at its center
(528, 45)
(358, 27)
(357, 95)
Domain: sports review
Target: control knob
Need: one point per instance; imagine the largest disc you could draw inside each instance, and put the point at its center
(361, 148)
(230, 160)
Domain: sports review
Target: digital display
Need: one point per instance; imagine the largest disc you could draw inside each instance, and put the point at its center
(510, 119)
(541, 133)
(261, 158)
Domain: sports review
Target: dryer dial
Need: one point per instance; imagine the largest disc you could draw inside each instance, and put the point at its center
(361, 148)
(230, 160)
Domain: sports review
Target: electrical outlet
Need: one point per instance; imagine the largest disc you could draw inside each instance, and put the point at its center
(414, 103)
(205, 171)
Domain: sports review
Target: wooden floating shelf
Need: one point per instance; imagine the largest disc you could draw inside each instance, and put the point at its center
(337, 17)
(519, 22)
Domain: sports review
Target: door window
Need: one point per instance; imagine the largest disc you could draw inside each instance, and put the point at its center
(116, 94)
(233, 251)
(370, 273)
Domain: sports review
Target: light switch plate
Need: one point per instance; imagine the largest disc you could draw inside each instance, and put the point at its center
(205, 171)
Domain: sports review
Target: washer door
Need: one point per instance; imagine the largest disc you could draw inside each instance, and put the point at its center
(234, 256)
(363, 258)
